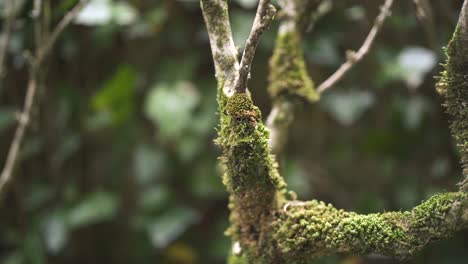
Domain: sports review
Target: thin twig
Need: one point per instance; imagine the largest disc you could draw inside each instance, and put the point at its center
(58, 30)
(25, 115)
(263, 18)
(355, 57)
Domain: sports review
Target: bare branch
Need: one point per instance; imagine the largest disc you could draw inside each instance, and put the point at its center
(25, 115)
(263, 18)
(215, 13)
(355, 57)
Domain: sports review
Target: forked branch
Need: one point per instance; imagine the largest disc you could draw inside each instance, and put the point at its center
(270, 226)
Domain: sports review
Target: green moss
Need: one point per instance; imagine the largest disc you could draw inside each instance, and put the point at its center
(318, 229)
(288, 69)
(454, 87)
(251, 174)
(244, 140)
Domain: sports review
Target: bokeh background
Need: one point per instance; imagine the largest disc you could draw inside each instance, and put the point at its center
(119, 164)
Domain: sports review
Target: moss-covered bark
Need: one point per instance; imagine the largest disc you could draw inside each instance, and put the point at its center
(269, 228)
(251, 174)
(288, 71)
(268, 233)
(454, 87)
(316, 229)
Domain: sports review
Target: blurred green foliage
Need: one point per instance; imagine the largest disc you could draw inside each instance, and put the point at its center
(119, 164)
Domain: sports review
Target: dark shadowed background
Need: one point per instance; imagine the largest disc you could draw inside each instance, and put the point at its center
(119, 164)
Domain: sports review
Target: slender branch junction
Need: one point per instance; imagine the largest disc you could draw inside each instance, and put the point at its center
(268, 224)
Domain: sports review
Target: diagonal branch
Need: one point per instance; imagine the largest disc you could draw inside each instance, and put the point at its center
(25, 115)
(355, 57)
(263, 18)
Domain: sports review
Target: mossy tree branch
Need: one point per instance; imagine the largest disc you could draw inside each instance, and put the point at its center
(289, 81)
(270, 226)
(454, 87)
(289, 77)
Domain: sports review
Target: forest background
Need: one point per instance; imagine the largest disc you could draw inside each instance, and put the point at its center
(119, 165)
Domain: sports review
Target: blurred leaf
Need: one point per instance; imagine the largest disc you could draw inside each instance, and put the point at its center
(123, 13)
(247, 3)
(100, 12)
(415, 109)
(117, 95)
(14, 258)
(181, 253)
(347, 107)
(69, 145)
(31, 147)
(406, 196)
(96, 12)
(4, 12)
(33, 249)
(175, 70)
(154, 198)
(171, 107)
(324, 52)
(204, 181)
(97, 207)
(415, 63)
(297, 178)
(38, 195)
(440, 167)
(241, 25)
(98, 121)
(148, 164)
(55, 233)
(169, 226)
(370, 203)
(7, 118)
